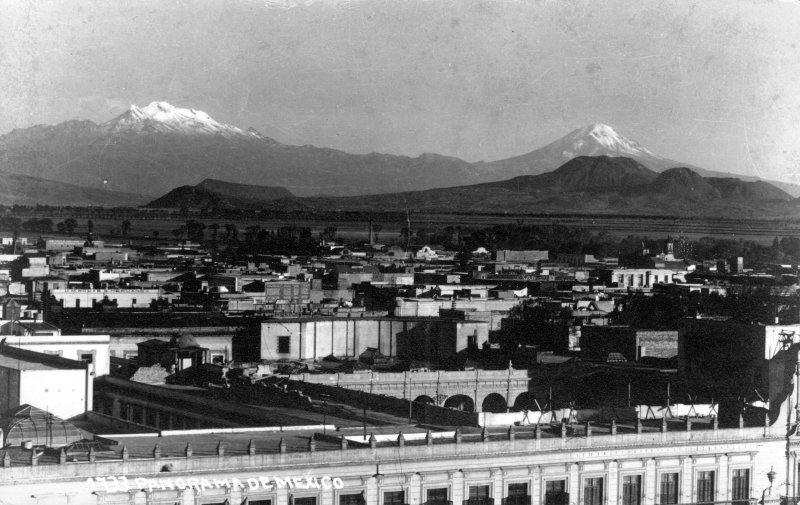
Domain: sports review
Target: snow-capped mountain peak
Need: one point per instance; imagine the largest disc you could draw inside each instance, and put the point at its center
(166, 118)
(601, 139)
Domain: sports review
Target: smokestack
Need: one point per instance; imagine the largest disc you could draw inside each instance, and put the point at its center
(371, 238)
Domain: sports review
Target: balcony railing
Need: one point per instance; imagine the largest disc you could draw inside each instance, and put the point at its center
(479, 501)
(517, 500)
(438, 502)
(747, 501)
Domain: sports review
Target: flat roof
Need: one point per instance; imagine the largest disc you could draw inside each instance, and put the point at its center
(21, 364)
(23, 359)
(204, 442)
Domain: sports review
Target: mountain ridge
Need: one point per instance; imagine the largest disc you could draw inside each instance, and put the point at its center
(630, 189)
(156, 147)
(584, 185)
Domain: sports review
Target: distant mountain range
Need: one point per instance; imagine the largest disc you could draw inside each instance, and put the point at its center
(591, 185)
(583, 185)
(148, 150)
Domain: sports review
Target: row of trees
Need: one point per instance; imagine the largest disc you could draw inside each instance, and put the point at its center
(558, 238)
(554, 237)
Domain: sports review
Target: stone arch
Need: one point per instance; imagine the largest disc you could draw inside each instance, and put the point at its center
(425, 399)
(460, 402)
(525, 401)
(494, 402)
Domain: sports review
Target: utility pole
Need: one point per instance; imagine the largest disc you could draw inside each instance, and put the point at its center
(364, 418)
(629, 394)
(789, 427)
(324, 414)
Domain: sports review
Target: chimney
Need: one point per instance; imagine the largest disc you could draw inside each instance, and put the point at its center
(371, 236)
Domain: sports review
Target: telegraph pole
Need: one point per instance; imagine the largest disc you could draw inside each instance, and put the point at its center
(786, 342)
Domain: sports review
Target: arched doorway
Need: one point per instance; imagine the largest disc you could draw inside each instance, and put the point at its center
(494, 402)
(525, 401)
(460, 402)
(424, 399)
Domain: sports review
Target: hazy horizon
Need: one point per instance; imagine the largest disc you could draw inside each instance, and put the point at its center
(709, 83)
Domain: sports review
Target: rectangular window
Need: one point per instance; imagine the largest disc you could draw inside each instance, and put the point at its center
(518, 489)
(259, 502)
(669, 489)
(436, 496)
(394, 497)
(284, 345)
(478, 495)
(555, 492)
(88, 358)
(593, 491)
(351, 499)
(740, 485)
(632, 490)
(705, 487)
(305, 500)
(518, 494)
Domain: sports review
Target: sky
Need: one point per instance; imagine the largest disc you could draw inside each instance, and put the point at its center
(714, 83)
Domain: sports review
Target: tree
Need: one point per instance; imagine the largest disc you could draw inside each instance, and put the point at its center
(61, 227)
(376, 229)
(70, 224)
(464, 257)
(231, 232)
(194, 230)
(125, 227)
(328, 234)
(405, 237)
(251, 233)
(43, 225)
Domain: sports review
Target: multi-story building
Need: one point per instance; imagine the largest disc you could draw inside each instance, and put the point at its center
(679, 461)
(526, 466)
(317, 337)
(124, 298)
(641, 278)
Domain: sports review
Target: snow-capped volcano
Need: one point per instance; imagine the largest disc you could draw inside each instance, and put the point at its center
(594, 140)
(165, 118)
(600, 139)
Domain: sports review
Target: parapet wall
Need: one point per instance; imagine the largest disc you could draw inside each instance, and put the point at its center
(454, 449)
